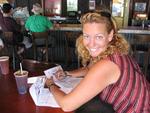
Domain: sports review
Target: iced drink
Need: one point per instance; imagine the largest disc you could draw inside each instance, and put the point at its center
(4, 65)
(21, 81)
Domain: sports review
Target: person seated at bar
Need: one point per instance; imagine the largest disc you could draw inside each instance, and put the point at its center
(8, 24)
(110, 72)
(38, 23)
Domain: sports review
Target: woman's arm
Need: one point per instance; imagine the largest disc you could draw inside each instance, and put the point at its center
(78, 72)
(98, 77)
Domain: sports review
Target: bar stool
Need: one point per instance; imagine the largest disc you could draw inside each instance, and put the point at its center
(9, 43)
(141, 46)
(40, 35)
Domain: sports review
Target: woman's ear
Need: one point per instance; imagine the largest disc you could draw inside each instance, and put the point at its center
(111, 34)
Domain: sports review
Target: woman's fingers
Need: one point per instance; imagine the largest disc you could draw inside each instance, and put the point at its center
(49, 81)
(59, 74)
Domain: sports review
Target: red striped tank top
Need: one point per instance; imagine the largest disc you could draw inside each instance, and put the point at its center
(131, 93)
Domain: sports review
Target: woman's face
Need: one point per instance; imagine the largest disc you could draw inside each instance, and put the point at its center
(96, 38)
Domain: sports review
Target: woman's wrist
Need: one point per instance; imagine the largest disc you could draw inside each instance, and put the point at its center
(49, 85)
(52, 84)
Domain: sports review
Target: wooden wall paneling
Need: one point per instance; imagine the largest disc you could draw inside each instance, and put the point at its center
(130, 12)
(21, 3)
(64, 8)
(104, 4)
(83, 6)
(148, 9)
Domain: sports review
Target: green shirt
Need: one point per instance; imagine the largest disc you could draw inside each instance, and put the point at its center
(38, 23)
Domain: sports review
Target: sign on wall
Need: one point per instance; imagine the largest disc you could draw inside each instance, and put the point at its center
(72, 5)
(91, 4)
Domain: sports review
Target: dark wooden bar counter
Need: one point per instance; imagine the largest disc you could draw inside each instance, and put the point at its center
(134, 30)
(131, 32)
(12, 102)
(124, 30)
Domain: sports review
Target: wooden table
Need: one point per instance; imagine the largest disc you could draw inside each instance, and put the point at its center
(12, 102)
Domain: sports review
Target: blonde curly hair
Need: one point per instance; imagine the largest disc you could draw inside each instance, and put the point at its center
(118, 43)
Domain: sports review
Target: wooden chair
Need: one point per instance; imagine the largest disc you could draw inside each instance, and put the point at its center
(40, 35)
(8, 37)
(141, 51)
(8, 41)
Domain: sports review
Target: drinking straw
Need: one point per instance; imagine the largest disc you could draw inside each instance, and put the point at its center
(20, 68)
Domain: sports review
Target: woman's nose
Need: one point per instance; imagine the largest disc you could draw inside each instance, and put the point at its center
(91, 42)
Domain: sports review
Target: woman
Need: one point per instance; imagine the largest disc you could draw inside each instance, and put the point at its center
(112, 73)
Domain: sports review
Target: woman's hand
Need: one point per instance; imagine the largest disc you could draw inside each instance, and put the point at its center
(60, 74)
(49, 82)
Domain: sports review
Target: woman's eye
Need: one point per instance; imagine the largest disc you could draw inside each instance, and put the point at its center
(99, 37)
(86, 37)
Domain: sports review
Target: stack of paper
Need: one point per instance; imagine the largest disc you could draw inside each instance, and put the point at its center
(42, 96)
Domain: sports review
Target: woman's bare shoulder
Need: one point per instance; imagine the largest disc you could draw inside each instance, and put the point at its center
(107, 70)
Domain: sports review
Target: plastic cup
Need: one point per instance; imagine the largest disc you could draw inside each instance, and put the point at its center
(4, 65)
(21, 81)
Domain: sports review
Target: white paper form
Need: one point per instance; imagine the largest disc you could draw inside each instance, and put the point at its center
(43, 97)
(40, 95)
